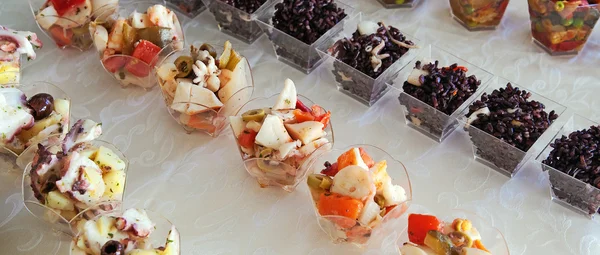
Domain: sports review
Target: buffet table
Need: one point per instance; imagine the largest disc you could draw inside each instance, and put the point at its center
(199, 183)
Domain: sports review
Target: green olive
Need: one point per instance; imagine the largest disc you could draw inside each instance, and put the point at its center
(314, 181)
(254, 115)
(184, 66)
(326, 183)
(211, 50)
(265, 153)
(380, 200)
(160, 36)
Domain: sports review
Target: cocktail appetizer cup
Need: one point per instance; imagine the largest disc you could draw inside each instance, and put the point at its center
(455, 226)
(278, 136)
(517, 129)
(204, 109)
(476, 15)
(57, 188)
(137, 231)
(356, 198)
(189, 8)
(302, 53)
(17, 46)
(38, 110)
(390, 4)
(562, 27)
(353, 66)
(149, 32)
(574, 179)
(66, 22)
(417, 101)
(239, 21)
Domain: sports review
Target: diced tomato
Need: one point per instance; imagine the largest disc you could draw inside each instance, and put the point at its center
(63, 6)
(247, 138)
(569, 46)
(138, 68)
(302, 116)
(332, 170)
(324, 118)
(61, 36)
(145, 51)
(419, 225)
(366, 158)
(114, 63)
(340, 205)
(301, 106)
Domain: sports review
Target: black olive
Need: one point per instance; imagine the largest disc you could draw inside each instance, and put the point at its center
(42, 105)
(113, 247)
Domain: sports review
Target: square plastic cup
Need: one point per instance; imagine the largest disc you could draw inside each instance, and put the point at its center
(64, 221)
(292, 51)
(478, 15)
(491, 237)
(189, 8)
(158, 238)
(498, 154)
(208, 120)
(564, 188)
(270, 172)
(355, 83)
(391, 4)
(342, 229)
(560, 27)
(16, 159)
(125, 69)
(235, 22)
(68, 31)
(421, 116)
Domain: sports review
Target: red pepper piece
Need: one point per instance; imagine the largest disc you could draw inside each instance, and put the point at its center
(64, 6)
(302, 107)
(419, 225)
(332, 170)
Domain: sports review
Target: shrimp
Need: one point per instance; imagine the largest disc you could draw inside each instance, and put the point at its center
(115, 38)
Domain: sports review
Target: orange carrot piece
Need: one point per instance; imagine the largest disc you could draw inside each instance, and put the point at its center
(336, 204)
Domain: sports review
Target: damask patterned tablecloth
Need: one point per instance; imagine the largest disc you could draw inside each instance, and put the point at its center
(199, 183)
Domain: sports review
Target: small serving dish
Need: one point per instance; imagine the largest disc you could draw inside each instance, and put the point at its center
(240, 23)
(438, 122)
(477, 15)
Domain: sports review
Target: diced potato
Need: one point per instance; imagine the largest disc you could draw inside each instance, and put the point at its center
(108, 161)
(80, 243)
(62, 106)
(94, 176)
(40, 125)
(89, 153)
(104, 224)
(115, 183)
(59, 201)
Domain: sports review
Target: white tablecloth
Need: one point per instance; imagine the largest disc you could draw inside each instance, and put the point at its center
(198, 181)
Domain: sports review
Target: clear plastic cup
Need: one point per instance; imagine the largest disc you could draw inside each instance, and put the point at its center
(476, 15)
(391, 4)
(346, 230)
(235, 22)
(189, 8)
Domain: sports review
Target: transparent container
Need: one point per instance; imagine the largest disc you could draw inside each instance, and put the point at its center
(390, 4)
(282, 174)
(16, 159)
(235, 22)
(73, 31)
(189, 8)
(347, 230)
(158, 238)
(126, 69)
(477, 15)
(292, 51)
(64, 221)
(560, 27)
(421, 116)
(208, 120)
(355, 83)
(496, 153)
(566, 190)
(491, 237)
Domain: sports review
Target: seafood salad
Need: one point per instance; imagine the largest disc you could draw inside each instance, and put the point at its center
(13, 45)
(430, 236)
(129, 46)
(199, 83)
(479, 13)
(26, 121)
(354, 194)
(275, 141)
(124, 234)
(66, 21)
(74, 173)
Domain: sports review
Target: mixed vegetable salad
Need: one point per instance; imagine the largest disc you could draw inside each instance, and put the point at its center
(129, 46)
(355, 193)
(276, 141)
(124, 234)
(429, 235)
(198, 84)
(479, 13)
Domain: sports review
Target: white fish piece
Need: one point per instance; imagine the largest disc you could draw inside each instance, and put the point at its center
(288, 97)
(353, 181)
